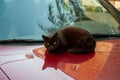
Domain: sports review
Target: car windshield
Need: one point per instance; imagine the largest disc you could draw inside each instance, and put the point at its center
(29, 19)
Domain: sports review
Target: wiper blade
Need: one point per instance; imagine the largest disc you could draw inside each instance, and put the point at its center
(103, 36)
(11, 41)
(30, 41)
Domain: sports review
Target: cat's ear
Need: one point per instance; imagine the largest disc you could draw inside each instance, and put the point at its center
(45, 38)
(55, 35)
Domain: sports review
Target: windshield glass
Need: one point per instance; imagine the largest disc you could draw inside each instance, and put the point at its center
(29, 19)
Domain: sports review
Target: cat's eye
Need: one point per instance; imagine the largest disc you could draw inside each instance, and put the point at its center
(48, 44)
(54, 42)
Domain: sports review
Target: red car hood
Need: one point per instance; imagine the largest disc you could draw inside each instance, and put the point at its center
(34, 63)
(19, 63)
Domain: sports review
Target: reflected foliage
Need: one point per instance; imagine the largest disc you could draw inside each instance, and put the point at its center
(48, 29)
(94, 9)
(73, 11)
(67, 14)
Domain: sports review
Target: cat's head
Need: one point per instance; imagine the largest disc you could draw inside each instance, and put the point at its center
(52, 43)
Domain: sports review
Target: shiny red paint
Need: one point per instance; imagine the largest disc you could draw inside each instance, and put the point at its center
(19, 63)
(34, 63)
(87, 67)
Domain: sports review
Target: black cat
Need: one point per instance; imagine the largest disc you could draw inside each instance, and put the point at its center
(70, 39)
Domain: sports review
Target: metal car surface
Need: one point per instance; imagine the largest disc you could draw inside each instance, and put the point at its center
(32, 63)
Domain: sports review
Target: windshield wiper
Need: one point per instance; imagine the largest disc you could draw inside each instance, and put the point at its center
(31, 41)
(105, 36)
(19, 41)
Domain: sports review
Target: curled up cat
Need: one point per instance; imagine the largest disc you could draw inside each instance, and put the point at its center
(70, 39)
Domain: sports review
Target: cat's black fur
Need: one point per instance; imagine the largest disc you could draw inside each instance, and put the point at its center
(70, 39)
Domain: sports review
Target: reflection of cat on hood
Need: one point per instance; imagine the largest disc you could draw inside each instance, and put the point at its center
(60, 60)
(70, 39)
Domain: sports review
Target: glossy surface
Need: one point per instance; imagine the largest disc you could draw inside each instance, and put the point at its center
(19, 64)
(34, 63)
(99, 65)
(30, 19)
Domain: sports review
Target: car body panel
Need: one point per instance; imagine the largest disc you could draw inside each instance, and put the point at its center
(17, 66)
(34, 63)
